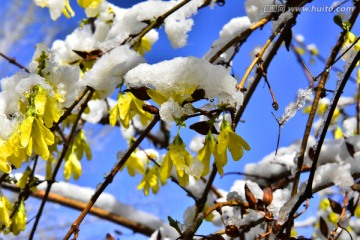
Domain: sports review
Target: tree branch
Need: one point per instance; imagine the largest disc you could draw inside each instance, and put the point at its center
(75, 226)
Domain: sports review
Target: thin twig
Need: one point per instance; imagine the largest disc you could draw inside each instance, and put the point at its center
(327, 123)
(309, 190)
(14, 62)
(314, 106)
(305, 68)
(258, 76)
(238, 38)
(275, 105)
(200, 204)
(109, 178)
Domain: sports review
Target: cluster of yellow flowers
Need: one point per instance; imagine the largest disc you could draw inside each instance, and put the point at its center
(15, 222)
(126, 108)
(40, 110)
(56, 8)
(74, 154)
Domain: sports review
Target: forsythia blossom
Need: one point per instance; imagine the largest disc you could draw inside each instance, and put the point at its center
(75, 154)
(89, 3)
(228, 139)
(5, 210)
(56, 7)
(150, 181)
(135, 164)
(18, 222)
(204, 154)
(125, 109)
(178, 156)
(143, 46)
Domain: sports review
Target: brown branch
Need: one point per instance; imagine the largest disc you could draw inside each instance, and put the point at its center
(303, 65)
(308, 191)
(266, 63)
(218, 205)
(75, 226)
(238, 38)
(258, 58)
(327, 123)
(14, 62)
(78, 205)
(314, 106)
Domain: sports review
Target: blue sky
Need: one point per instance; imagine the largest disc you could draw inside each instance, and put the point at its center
(259, 129)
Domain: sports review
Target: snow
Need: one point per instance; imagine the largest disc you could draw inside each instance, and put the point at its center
(108, 70)
(109, 203)
(234, 27)
(337, 173)
(299, 38)
(293, 107)
(98, 110)
(283, 18)
(255, 9)
(280, 197)
(179, 77)
(196, 143)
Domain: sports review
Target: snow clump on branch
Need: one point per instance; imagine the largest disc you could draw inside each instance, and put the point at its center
(176, 78)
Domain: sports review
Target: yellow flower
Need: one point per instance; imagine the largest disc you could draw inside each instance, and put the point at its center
(150, 180)
(228, 139)
(46, 106)
(72, 167)
(157, 96)
(4, 165)
(357, 211)
(178, 96)
(56, 8)
(142, 46)
(333, 218)
(81, 145)
(24, 178)
(351, 38)
(338, 134)
(13, 151)
(5, 210)
(134, 164)
(178, 156)
(204, 154)
(324, 204)
(322, 109)
(126, 108)
(89, 3)
(35, 136)
(300, 50)
(18, 222)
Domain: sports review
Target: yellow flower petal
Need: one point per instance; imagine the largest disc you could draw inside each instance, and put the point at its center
(5, 166)
(156, 96)
(166, 168)
(25, 131)
(40, 101)
(89, 3)
(18, 222)
(114, 115)
(5, 209)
